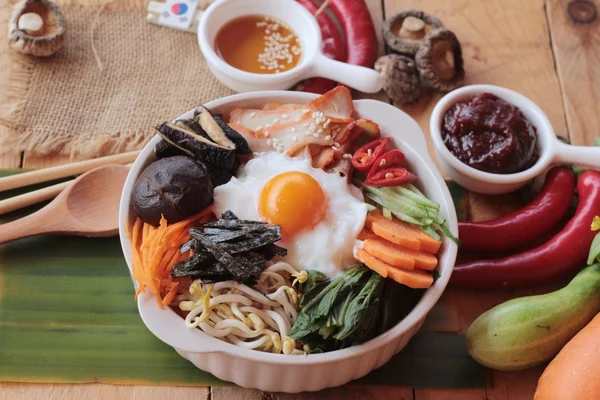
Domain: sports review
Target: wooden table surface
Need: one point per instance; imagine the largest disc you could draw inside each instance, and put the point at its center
(546, 49)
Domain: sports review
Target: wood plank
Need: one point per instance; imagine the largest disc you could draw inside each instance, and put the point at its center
(504, 43)
(576, 48)
(20, 391)
(348, 392)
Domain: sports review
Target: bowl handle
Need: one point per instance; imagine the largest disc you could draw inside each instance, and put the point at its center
(588, 156)
(360, 78)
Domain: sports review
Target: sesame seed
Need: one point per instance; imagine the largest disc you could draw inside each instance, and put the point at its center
(328, 137)
(347, 155)
(284, 116)
(294, 138)
(337, 144)
(269, 142)
(320, 131)
(326, 124)
(276, 120)
(305, 111)
(335, 148)
(267, 134)
(252, 114)
(259, 128)
(293, 129)
(315, 135)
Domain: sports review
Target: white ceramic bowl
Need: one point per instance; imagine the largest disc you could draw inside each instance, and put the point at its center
(286, 373)
(551, 150)
(312, 61)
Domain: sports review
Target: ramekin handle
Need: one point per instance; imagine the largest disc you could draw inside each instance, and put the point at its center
(579, 155)
(364, 79)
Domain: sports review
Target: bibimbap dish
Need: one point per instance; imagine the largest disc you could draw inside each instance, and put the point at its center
(287, 229)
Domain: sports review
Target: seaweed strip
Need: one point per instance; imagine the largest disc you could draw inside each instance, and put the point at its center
(229, 223)
(229, 215)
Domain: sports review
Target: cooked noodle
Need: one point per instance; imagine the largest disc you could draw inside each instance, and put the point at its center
(253, 319)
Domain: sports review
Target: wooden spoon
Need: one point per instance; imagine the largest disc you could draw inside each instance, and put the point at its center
(89, 206)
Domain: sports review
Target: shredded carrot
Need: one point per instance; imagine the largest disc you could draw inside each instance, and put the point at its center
(171, 295)
(155, 250)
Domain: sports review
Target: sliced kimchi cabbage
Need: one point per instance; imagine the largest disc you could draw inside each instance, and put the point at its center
(325, 124)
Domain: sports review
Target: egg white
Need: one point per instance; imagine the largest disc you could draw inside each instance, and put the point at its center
(328, 246)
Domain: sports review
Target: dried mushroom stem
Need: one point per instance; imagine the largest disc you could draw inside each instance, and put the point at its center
(404, 31)
(401, 78)
(440, 60)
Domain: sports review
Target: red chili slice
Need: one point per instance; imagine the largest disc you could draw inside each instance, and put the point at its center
(387, 170)
(364, 158)
(391, 176)
(393, 158)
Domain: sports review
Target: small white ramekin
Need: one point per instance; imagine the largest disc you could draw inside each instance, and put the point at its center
(312, 61)
(551, 150)
(286, 373)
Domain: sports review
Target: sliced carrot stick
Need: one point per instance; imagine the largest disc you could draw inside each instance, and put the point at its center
(373, 263)
(390, 253)
(395, 233)
(416, 279)
(405, 234)
(366, 234)
(400, 256)
(373, 216)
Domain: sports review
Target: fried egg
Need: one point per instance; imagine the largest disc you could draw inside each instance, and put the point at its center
(320, 213)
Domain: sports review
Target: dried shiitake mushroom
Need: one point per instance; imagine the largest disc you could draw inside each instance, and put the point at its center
(440, 60)
(36, 27)
(404, 31)
(401, 78)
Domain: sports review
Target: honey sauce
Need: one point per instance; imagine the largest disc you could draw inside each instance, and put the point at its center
(258, 44)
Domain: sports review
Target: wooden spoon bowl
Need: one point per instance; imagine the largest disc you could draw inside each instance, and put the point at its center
(89, 206)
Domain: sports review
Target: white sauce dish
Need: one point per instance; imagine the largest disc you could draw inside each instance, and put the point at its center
(296, 373)
(551, 149)
(312, 62)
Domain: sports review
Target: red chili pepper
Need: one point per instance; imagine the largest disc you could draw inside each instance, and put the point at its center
(333, 47)
(518, 228)
(361, 39)
(364, 158)
(392, 176)
(566, 251)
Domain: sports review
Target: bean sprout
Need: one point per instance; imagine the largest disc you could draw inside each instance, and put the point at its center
(259, 318)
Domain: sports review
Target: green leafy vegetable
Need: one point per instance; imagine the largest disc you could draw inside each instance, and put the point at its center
(337, 313)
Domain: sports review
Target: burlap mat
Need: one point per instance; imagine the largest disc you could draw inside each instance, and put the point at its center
(67, 105)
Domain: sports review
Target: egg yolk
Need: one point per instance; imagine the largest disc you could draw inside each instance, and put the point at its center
(294, 200)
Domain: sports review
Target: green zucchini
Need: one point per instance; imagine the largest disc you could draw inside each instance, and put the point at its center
(528, 331)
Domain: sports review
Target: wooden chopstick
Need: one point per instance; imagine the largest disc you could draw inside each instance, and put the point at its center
(49, 174)
(28, 199)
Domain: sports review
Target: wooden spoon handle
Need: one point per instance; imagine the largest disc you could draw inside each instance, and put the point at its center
(31, 225)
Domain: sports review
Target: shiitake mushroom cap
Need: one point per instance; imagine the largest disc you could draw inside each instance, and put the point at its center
(404, 31)
(175, 187)
(440, 61)
(401, 78)
(41, 43)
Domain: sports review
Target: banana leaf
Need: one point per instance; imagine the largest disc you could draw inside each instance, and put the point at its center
(67, 314)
